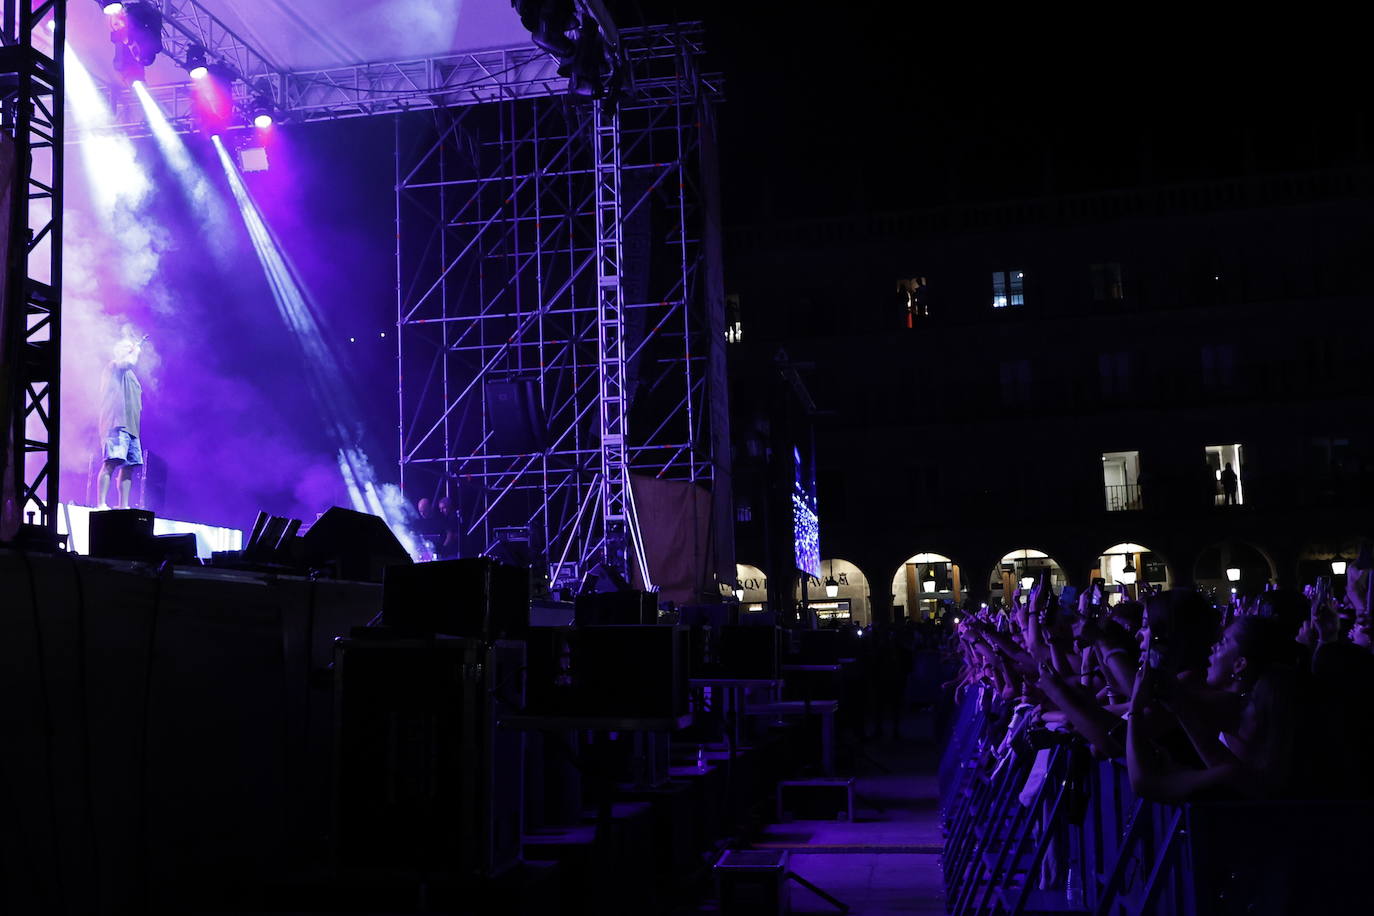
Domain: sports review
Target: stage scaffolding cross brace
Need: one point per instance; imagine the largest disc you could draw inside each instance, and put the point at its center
(554, 312)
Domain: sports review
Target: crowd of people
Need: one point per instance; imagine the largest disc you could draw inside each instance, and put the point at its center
(1260, 697)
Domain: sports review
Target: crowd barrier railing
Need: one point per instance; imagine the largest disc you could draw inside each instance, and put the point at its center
(1033, 824)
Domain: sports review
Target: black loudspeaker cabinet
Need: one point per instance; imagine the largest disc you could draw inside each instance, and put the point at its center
(120, 534)
(750, 652)
(474, 596)
(517, 422)
(425, 782)
(179, 548)
(745, 652)
(618, 672)
(354, 545)
(619, 608)
(819, 647)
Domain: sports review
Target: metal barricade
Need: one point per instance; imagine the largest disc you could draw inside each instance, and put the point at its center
(1079, 840)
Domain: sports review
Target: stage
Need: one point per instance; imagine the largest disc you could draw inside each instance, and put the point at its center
(73, 521)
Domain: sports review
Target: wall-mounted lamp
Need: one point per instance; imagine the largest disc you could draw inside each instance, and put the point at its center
(1338, 567)
(1128, 573)
(1027, 582)
(1233, 573)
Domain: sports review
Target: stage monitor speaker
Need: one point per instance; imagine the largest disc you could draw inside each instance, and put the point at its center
(474, 597)
(517, 421)
(354, 545)
(120, 534)
(179, 548)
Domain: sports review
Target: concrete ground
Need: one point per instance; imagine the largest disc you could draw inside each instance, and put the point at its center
(887, 860)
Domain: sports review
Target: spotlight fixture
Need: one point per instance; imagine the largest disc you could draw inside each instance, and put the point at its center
(1338, 567)
(1233, 573)
(196, 62)
(586, 64)
(138, 27)
(262, 109)
(548, 22)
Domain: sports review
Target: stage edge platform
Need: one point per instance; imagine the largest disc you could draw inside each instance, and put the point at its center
(74, 521)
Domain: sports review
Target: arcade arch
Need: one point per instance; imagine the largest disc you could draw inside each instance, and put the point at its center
(925, 583)
(851, 601)
(1234, 564)
(1124, 565)
(1018, 568)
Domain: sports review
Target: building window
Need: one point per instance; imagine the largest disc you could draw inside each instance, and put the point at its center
(1008, 288)
(1121, 480)
(1218, 367)
(1015, 377)
(1224, 484)
(734, 327)
(1114, 375)
(1107, 282)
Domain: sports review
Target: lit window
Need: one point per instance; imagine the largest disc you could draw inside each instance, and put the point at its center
(1121, 480)
(1008, 288)
(1225, 484)
(734, 326)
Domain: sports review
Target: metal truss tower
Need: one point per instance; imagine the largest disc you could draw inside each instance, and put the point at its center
(30, 333)
(560, 316)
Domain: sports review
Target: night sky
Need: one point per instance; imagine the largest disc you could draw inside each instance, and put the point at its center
(863, 107)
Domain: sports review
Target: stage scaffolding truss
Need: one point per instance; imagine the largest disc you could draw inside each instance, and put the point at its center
(556, 319)
(30, 332)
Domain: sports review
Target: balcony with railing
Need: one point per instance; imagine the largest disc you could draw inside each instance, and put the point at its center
(1123, 497)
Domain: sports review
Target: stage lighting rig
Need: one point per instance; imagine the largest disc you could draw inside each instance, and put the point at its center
(585, 60)
(196, 62)
(548, 22)
(588, 62)
(262, 110)
(138, 27)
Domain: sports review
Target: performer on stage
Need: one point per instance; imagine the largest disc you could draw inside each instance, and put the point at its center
(121, 407)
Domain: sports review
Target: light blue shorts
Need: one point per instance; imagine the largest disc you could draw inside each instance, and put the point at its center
(123, 446)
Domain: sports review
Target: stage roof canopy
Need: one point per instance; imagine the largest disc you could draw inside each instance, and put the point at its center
(310, 34)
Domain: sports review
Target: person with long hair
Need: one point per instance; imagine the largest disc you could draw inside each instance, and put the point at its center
(1241, 722)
